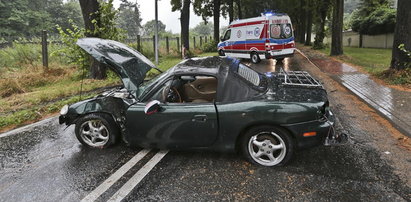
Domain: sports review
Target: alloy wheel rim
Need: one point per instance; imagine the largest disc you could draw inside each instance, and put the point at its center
(254, 58)
(94, 133)
(267, 148)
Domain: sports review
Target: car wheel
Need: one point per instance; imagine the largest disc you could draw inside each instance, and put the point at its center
(96, 130)
(255, 58)
(267, 146)
(221, 53)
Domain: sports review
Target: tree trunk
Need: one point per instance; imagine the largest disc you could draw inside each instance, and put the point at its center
(400, 60)
(303, 22)
(240, 13)
(230, 10)
(185, 21)
(320, 30)
(309, 28)
(216, 16)
(88, 10)
(337, 28)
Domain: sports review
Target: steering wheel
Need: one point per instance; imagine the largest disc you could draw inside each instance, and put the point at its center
(171, 95)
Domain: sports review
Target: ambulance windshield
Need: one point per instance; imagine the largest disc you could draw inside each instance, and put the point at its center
(281, 31)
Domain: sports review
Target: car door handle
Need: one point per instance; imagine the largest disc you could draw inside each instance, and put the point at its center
(199, 118)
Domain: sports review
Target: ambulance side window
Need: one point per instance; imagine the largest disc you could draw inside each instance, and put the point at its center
(227, 35)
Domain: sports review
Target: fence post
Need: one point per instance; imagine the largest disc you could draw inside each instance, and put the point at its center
(178, 44)
(167, 45)
(194, 41)
(205, 39)
(138, 43)
(44, 51)
(201, 41)
(154, 44)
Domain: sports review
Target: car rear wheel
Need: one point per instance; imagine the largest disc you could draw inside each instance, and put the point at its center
(255, 58)
(96, 130)
(267, 146)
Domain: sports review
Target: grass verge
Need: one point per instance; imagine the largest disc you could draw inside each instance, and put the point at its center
(30, 95)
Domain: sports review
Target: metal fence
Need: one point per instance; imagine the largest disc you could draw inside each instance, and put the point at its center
(167, 43)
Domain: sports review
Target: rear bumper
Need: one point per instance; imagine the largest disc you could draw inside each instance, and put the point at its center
(322, 128)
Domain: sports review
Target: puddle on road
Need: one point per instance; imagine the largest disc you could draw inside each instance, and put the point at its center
(273, 65)
(331, 66)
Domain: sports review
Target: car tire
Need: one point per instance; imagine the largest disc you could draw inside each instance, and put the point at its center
(267, 146)
(221, 53)
(255, 58)
(96, 130)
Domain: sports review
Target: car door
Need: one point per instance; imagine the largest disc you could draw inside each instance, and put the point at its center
(175, 125)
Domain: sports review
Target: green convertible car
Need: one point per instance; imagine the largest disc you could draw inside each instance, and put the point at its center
(210, 103)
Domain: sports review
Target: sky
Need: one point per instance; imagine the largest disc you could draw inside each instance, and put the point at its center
(170, 19)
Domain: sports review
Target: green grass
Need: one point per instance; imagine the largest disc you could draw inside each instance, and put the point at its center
(39, 100)
(373, 60)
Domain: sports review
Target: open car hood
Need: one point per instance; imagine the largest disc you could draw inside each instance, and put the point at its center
(128, 63)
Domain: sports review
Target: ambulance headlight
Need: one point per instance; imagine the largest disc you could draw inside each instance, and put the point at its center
(64, 110)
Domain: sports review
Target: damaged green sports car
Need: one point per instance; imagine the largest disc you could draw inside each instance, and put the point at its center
(211, 103)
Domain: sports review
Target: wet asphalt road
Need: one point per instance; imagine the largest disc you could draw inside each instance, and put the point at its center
(47, 163)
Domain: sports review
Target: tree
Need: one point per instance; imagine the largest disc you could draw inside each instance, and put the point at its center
(337, 28)
(129, 18)
(208, 8)
(203, 28)
(400, 59)
(374, 17)
(309, 27)
(184, 7)
(89, 9)
(323, 8)
(150, 27)
(99, 20)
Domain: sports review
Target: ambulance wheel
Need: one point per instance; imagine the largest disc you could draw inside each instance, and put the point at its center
(221, 53)
(255, 58)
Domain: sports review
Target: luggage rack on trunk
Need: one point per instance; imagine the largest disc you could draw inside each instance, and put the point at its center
(298, 78)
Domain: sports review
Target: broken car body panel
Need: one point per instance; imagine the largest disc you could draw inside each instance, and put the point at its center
(243, 99)
(129, 64)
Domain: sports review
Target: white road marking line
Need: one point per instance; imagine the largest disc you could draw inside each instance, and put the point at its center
(92, 196)
(133, 182)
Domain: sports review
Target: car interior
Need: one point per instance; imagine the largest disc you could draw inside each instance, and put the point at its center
(191, 89)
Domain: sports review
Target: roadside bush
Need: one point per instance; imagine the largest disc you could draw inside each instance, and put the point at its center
(210, 46)
(19, 55)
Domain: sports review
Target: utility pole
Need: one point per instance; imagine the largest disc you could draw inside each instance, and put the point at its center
(156, 35)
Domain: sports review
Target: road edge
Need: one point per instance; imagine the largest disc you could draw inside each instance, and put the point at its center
(369, 103)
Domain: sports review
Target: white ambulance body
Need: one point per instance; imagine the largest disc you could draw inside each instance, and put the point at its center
(265, 37)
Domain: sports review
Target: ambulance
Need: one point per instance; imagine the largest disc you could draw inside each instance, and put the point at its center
(269, 36)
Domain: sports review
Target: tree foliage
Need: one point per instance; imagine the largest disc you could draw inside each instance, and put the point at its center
(374, 17)
(129, 18)
(379, 21)
(203, 29)
(27, 18)
(150, 27)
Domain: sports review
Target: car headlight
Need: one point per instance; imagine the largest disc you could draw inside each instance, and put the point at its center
(64, 110)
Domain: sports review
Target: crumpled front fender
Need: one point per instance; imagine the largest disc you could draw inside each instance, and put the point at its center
(113, 106)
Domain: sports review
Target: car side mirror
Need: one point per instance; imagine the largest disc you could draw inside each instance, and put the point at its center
(221, 38)
(152, 107)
